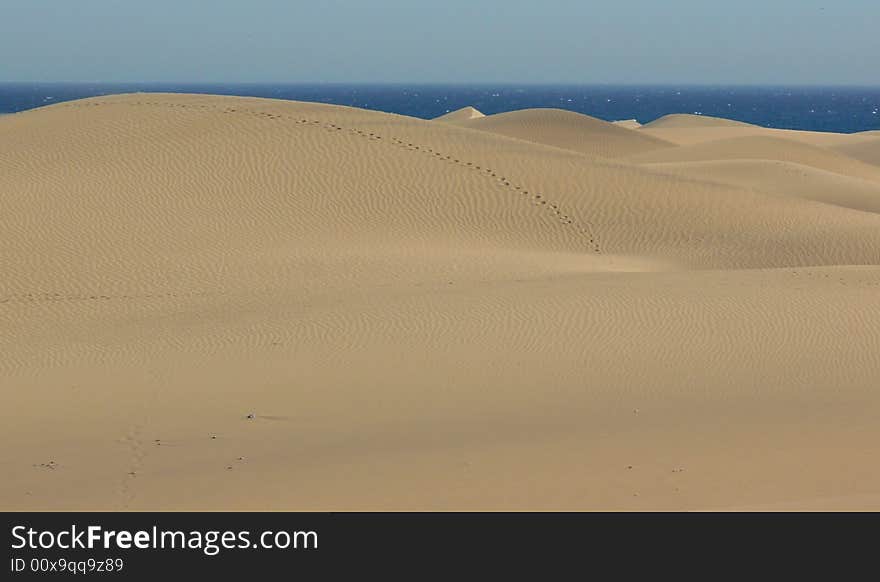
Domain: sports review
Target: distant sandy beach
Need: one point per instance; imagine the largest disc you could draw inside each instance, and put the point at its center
(227, 303)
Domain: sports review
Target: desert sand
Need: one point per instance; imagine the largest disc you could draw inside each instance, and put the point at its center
(628, 123)
(237, 303)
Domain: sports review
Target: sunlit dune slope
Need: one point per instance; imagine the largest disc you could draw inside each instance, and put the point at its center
(460, 115)
(687, 120)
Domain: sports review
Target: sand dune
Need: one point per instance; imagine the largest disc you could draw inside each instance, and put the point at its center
(628, 123)
(568, 130)
(459, 115)
(222, 302)
(787, 179)
(866, 151)
(687, 120)
(695, 129)
(763, 148)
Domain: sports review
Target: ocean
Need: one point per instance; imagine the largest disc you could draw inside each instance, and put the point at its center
(838, 109)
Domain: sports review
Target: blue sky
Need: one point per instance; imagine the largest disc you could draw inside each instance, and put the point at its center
(566, 41)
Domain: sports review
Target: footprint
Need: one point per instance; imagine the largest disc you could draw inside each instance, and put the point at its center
(136, 453)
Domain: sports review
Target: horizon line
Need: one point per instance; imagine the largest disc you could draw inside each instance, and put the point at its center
(448, 83)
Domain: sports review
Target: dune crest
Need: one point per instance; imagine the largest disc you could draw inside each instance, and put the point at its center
(568, 130)
(213, 302)
(460, 115)
(689, 120)
(628, 123)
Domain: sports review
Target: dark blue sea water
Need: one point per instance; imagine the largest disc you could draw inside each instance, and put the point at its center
(840, 109)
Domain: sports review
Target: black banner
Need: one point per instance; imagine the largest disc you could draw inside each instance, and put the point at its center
(137, 545)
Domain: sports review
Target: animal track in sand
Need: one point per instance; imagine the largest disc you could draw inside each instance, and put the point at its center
(584, 228)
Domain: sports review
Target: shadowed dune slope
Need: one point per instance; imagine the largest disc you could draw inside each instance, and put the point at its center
(568, 130)
(690, 134)
(235, 303)
(763, 148)
(785, 178)
(867, 151)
